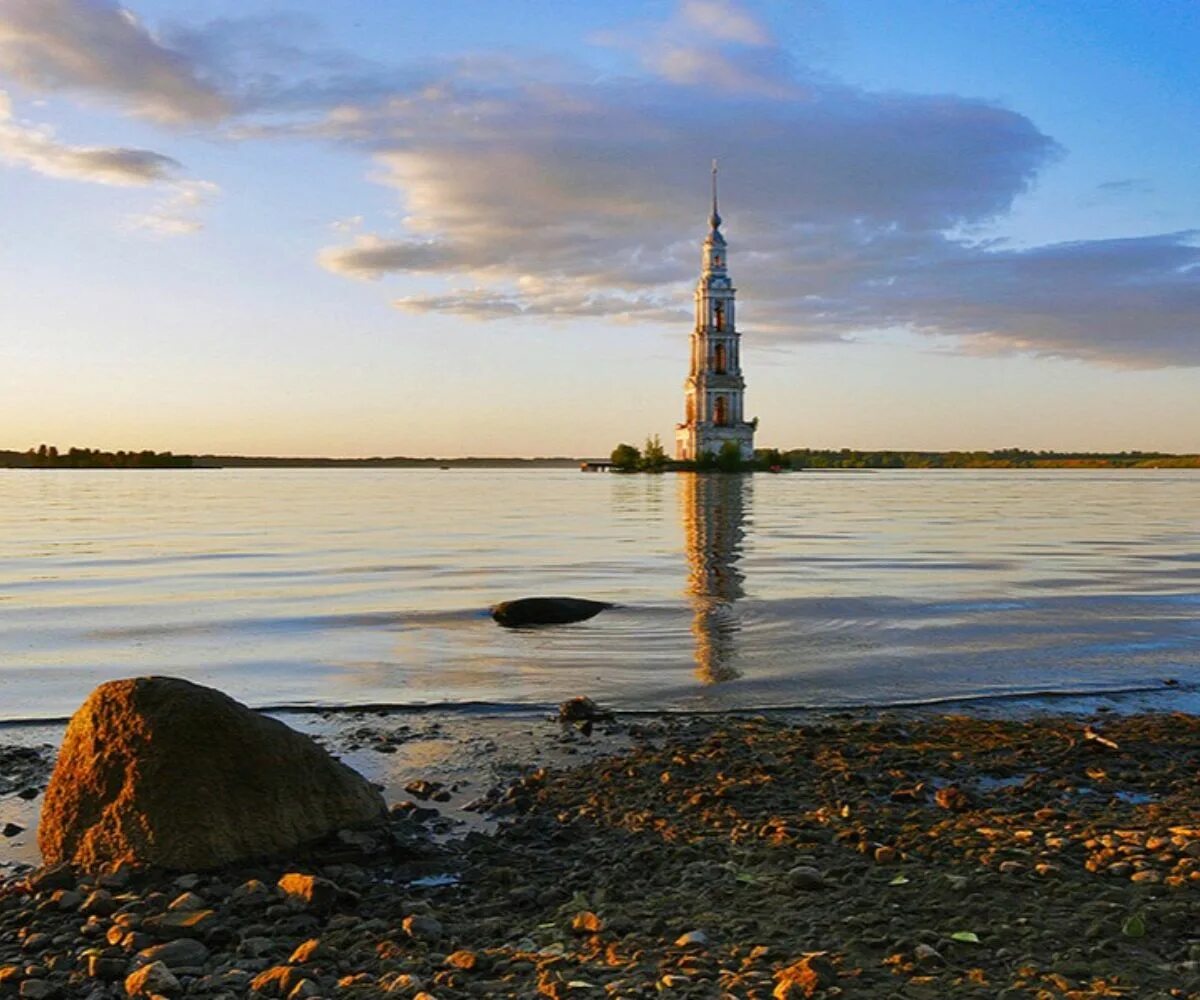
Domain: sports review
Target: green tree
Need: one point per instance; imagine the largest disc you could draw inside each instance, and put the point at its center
(729, 458)
(654, 458)
(626, 458)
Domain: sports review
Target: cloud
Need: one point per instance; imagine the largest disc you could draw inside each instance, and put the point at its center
(178, 213)
(100, 48)
(371, 257)
(533, 187)
(530, 300)
(845, 208)
(724, 21)
(35, 147)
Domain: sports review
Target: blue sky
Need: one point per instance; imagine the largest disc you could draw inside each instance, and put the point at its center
(472, 228)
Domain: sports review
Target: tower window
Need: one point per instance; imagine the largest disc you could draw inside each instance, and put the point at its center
(719, 315)
(719, 359)
(720, 411)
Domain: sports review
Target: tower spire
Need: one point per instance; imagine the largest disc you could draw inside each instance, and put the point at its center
(714, 220)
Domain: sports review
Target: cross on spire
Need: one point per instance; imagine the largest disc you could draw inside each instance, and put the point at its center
(714, 220)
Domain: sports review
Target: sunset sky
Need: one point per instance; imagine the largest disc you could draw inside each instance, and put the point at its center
(472, 227)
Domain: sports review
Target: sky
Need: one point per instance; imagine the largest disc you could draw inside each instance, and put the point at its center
(471, 228)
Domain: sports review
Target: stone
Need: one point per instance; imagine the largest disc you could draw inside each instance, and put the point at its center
(422, 928)
(187, 902)
(68, 899)
(12, 829)
(151, 980)
(309, 891)
(37, 989)
(927, 956)
(99, 903)
(179, 954)
(160, 771)
(531, 611)
(464, 959)
(278, 981)
(52, 877)
(304, 990)
(308, 951)
(953, 798)
(586, 922)
(805, 977)
(106, 967)
(692, 939)
(251, 892)
(582, 709)
(423, 789)
(805, 877)
(180, 924)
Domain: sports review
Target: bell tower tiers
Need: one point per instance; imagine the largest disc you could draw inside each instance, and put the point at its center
(714, 388)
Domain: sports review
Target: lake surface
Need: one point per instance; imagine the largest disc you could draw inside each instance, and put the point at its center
(352, 587)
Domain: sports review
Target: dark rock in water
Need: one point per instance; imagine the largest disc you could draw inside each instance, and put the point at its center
(160, 771)
(12, 829)
(546, 611)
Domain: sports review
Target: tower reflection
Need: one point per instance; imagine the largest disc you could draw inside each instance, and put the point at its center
(713, 512)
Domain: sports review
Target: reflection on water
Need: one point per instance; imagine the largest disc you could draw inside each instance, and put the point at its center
(713, 515)
(368, 586)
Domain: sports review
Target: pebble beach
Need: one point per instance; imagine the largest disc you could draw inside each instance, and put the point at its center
(854, 856)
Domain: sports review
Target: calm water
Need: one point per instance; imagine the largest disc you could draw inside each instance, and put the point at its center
(335, 587)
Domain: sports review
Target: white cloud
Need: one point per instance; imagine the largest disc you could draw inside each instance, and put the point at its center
(35, 147)
(178, 214)
(724, 21)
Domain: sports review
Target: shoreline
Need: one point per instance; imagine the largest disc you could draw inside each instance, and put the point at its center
(912, 854)
(476, 747)
(1135, 697)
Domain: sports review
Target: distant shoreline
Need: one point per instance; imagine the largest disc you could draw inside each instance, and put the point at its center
(801, 459)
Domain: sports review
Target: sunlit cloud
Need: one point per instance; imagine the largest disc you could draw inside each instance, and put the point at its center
(35, 147)
(538, 187)
(101, 49)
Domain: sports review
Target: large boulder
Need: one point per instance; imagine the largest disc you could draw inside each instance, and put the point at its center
(157, 770)
(528, 611)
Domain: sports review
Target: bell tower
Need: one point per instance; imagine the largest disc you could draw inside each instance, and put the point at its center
(714, 389)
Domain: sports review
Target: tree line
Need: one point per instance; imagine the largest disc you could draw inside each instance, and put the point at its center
(651, 458)
(49, 457)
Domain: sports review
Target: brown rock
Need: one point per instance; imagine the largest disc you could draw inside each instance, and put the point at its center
(953, 798)
(157, 770)
(308, 951)
(309, 891)
(805, 977)
(176, 924)
(151, 979)
(278, 981)
(586, 922)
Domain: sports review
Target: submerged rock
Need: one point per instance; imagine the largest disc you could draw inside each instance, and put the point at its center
(157, 770)
(546, 611)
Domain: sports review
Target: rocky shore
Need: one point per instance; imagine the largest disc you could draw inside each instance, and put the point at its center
(756, 858)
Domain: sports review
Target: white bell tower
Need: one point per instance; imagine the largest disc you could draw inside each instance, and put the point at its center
(714, 389)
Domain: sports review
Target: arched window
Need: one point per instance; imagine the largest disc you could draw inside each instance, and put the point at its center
(720, 411)
(719, 315)
(719, 359)
(691, 409)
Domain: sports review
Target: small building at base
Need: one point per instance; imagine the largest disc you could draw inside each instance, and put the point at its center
(715, 389)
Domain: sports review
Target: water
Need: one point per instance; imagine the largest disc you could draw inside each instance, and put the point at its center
(353, 587)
